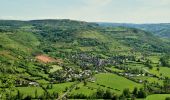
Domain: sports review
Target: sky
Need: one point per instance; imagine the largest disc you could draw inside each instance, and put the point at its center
(119, 11)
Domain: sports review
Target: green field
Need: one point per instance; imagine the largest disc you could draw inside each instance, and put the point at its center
(135, 65)
(157, 96)
(150, 79)
(42, 81)
(115, 69)
(30, 91)
(80, 58)
(55, 68)
(115, 81)
(60, 88)
(106, 81)
(83, 89)
(165, 71)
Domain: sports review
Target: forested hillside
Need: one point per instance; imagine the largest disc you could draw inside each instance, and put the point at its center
(49, 59)
(161, 30)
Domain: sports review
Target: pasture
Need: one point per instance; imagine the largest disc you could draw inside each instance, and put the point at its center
(114, 81)
(164, 71)
(106, 81)
(55, 68)
(157, 97)
(60, 88)
(83, 89)
(30, 91)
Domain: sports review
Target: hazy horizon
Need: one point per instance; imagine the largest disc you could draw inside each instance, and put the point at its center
(114, 11)
(86, 21)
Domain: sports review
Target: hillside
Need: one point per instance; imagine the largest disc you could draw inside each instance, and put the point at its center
(39, 56)
(161, 30)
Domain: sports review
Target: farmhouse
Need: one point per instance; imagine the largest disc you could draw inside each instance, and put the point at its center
(33, 84)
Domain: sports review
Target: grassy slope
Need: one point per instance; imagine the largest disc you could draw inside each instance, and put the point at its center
(18, 43)
(157, 96)
(106, 81)
(115, 81)
(115, 39)
(60, 88)
(30, 91)
(21, 43)
(165, 71)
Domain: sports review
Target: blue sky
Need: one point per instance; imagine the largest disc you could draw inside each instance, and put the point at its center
(128, 11)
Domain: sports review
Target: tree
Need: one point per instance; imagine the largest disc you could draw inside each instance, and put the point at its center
(135, 91)
(115, 97)
(108, 94)
(55, 95)
(85, 83)
(27, 98)
(7, 84)
(66, 88)
(36, 94)
(158, 69)
(141, 93)
(126, 93)
(167, 98)
(99, 93)
(48, 86)
(164, 61)
(19, 95)
(148, 64)
(166, 85)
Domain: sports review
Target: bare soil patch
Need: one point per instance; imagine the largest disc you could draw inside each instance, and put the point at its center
(47, 59)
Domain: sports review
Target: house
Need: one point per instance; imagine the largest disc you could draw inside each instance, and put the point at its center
(33, 84)
(140, 81)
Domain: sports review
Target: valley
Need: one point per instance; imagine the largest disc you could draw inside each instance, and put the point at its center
(68, 59)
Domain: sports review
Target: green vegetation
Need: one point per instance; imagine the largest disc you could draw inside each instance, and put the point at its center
(158, 97)
(30, 91)
(116, 82)
(55, 68)
(85, 90)
(60, 87)
(66, 59)
(105, 81)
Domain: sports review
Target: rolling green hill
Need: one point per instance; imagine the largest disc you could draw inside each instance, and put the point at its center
(39, 54)
(161, 30)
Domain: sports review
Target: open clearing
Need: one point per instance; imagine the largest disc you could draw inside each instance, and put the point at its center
(106, 81)
(83, 89)
(150, 79)
(157, 96)
(30, 91)
(114, 81)
(165, 71)
(55, 68)
(47, 59)
(60, 88)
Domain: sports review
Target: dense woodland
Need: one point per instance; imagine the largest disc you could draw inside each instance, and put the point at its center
(57, 59)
